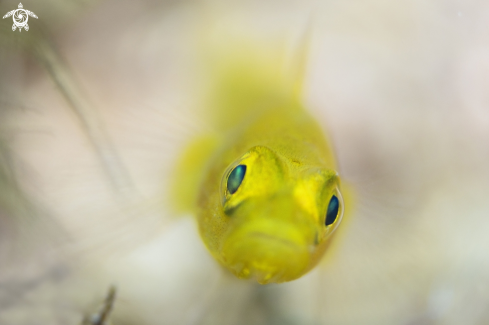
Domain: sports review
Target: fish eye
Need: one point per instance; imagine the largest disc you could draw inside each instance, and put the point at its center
(235, 178)
(333, 209)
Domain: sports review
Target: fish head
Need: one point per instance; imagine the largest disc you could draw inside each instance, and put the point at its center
(276, 215)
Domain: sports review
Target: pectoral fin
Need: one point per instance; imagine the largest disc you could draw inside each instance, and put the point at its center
(189, 173)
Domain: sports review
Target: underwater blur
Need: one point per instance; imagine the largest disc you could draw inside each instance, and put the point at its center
(100, 99)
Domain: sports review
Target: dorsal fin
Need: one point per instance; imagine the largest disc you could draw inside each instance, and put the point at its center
(247, 76)
(300, 57)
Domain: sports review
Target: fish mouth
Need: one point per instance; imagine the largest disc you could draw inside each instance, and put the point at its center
(264, 257)
(265, 236)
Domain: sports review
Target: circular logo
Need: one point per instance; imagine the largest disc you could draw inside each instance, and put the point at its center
(20, 17)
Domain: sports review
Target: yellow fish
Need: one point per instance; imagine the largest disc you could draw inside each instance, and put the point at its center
(264, 185)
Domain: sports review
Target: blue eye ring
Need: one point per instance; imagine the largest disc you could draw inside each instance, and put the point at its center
(333, 211)
(235, 178)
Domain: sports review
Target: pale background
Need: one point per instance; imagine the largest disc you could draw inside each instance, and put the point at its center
(402, 88)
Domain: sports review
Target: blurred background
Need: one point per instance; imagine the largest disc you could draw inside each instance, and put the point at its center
(99, 98)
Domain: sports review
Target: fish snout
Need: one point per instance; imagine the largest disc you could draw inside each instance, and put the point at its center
(268, 249)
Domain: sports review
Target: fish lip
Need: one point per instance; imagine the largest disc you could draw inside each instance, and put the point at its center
(264, 235)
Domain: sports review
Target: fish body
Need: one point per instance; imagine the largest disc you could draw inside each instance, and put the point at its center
(264, 187)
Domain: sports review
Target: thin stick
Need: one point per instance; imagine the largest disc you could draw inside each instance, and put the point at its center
(102, 317)
(86, 112)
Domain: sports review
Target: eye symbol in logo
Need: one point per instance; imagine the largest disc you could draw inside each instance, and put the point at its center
(20, 17)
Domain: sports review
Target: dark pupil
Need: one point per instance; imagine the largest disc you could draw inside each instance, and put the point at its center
(235, 178)
(333, 208)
